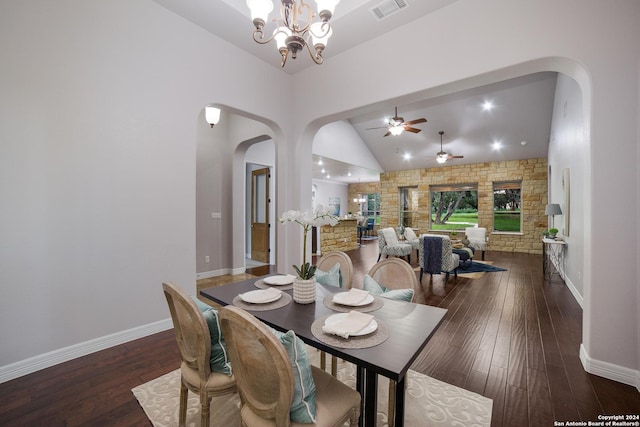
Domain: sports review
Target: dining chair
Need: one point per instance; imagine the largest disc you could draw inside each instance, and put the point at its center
(411, 238)
(394, 273)
(265, 376)
(326, 263)
(435, 256)
(194, 341)
(477, 237)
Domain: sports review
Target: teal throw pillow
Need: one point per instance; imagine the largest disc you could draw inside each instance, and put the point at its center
(331, 277)
(219, 359)
(303, 404)
(374, 288)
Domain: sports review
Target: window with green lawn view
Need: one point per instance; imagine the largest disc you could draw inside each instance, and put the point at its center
(453, 207)
(371, 206)
(506, 206)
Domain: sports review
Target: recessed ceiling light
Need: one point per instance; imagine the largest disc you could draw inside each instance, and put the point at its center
(407, 156)
(523, 143)
(496, 145)
(487, 106)
(349, 173)
(320, 162)
(323, 171)
(328, 176)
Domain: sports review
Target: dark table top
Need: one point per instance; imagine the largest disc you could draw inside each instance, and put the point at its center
(410, 327)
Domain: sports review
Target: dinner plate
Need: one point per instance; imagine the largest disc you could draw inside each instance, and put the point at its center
(257, 297)
(335, 318)
(336, 298)
(278, 280)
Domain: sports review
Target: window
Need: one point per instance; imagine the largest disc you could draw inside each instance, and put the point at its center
(408, 206)
(371, 206)
(453, 207)
(506, 206)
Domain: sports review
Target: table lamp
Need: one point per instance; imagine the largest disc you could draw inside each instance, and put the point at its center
(552, 209)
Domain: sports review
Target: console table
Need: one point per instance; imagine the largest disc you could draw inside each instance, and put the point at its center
(553, 259)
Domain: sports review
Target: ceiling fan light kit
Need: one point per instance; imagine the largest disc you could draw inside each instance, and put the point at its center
(293, 34)
(396, 125)
(442, 156)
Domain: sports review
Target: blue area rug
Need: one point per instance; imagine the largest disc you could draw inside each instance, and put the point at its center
(478, 267)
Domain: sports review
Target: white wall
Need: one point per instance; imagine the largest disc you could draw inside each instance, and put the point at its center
(568, 145)
(340, 141)
(100, 113)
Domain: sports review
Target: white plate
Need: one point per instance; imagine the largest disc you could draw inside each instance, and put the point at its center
(279, 280)
(368, 300)
(257, 297)
(335, 318)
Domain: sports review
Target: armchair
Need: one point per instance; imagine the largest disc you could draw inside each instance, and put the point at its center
(436, 256)
(477, 237)
(388, 244)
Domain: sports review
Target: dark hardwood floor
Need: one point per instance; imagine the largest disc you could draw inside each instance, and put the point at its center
(509, 336)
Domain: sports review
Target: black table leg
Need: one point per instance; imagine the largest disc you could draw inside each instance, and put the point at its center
(371, 394)
(399, 411)
(360, 387)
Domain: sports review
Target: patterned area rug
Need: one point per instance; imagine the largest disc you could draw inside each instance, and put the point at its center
(427, 401)
(476, 270)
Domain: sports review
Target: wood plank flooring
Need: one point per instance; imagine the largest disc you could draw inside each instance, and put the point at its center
(508, 335)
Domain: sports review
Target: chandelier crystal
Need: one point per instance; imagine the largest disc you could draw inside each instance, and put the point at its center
(295, 29)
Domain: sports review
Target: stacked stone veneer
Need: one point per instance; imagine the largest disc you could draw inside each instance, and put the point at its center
(532, 173)
(361, 188)
(342, 237)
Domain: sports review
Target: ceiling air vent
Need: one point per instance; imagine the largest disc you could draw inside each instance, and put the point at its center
(388, 8)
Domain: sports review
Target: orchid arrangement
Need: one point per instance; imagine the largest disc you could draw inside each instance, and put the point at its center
(312, 218)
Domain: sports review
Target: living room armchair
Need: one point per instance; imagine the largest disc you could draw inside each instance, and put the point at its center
(477, 237)
(388, 244)
(436, 256)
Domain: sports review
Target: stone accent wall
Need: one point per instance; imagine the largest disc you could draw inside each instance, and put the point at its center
(532, 173)
(361, 188)
(342, 237)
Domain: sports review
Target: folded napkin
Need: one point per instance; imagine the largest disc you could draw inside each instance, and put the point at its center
(352, 323)
(264, 295)
(353, 297)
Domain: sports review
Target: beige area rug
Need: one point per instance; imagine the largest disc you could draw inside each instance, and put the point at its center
(428, 402)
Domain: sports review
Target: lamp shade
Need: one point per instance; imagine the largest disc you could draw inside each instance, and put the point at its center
(553, 209)
(212, 115)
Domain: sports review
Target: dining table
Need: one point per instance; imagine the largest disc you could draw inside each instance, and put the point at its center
(408, 327)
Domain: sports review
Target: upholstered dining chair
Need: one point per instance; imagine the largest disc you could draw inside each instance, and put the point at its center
(326, 263)
(388, 244)
(265, 377)
(477, 237)
(436, 256)
(194, 342)
(394, 274)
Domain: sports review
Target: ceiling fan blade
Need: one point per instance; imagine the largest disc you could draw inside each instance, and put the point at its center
(416, 121)
(379, 127)
(388, 133)
(410, 129)
(455, 157)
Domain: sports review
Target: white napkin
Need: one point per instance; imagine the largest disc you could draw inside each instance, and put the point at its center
(352, 323)
(353, 297)
(265, 295)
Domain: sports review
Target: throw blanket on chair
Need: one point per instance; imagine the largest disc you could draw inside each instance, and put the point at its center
(432, 255)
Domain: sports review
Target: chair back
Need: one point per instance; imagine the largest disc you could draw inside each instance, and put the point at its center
(395, 273)
(477, 235)
(261, 366)
(448, 260)
(370, 222)
(386, 237)
(328, 260)
(409, 234)
(192, 332)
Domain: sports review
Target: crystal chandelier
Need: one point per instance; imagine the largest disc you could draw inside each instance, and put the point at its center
(296, 29)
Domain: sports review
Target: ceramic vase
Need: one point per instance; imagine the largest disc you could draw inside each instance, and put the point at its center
(304, 291)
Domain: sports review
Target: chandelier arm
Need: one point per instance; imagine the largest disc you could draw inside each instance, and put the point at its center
(298, 12)
(316, 56)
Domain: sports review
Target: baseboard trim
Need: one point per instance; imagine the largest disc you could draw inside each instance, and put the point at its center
(610, 371)
(55, 357)
(574, 292)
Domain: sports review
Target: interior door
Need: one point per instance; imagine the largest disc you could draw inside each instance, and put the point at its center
(260, 215)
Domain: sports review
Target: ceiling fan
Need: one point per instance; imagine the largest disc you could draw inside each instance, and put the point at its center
(397, 124)
(443, 156)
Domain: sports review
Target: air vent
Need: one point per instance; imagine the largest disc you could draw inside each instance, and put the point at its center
(388, 8)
